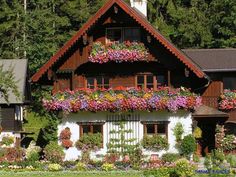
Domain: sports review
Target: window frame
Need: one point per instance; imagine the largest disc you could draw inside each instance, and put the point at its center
(155, 123)
(145, 80)
(107, 41)
(95, 82)
(91, 124)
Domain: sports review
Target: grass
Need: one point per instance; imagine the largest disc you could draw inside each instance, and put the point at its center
(70, 174)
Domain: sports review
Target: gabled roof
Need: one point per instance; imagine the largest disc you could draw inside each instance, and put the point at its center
(214, 60)
(140, 20)
(19, 68)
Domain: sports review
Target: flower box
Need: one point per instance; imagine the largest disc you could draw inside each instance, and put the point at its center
(227, 100)
(123, 99)
(118, 52)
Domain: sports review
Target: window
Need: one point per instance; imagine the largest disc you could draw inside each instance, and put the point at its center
(229, 83)
(91, 128)
(131, 34)
(122, 34)
(114, 35)
(146, 81)
(160, 128)
(97, 82)
(150, 81)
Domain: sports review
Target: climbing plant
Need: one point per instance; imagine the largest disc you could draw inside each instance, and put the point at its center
(121, 145)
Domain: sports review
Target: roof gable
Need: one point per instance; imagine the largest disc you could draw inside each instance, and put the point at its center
(139, 19)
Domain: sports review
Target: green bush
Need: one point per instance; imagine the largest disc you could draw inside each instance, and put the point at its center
(34, 156)
(108, 167)
(184, 168)
(170, 157)
(80, 166)
(178, 131)
(54, 167)
(160, 172)
(188, 146)
(54, 153)
(89, 141)
(7, 140)
(155, 143)
(231, 159)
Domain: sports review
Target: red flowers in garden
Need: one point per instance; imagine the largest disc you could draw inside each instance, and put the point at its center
(227, 100)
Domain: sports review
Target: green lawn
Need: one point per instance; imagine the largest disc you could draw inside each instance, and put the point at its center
(70, 174)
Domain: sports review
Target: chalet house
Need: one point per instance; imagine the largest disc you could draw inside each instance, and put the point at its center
(119, 50)
(12, 112)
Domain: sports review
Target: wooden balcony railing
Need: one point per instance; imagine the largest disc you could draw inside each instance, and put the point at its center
(211, 101)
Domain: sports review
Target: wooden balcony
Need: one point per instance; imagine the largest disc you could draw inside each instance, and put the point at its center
(211, 101)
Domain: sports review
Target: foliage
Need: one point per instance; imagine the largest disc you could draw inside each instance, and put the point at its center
(123, 99)
(89, 141)
(118, 144)
(8, 83)
(215, 159)
(227, 100)
(223, 141)
(54, 153)
(108, 167)
(32, 152)
(54, 167)
(197, 132)
(178, 131)
(85, 156)
(155, 143)
(7, 140)
(188, 145)
(160, 172)
(231, 158)
(118, 52)
(170, 157)
(66, 143)
(184, 168)
(14, 154)
(80, 166)
(111, 157)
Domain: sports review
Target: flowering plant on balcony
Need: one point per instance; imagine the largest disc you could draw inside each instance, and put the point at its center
(118, 52)
(227, 100)
(123, 99)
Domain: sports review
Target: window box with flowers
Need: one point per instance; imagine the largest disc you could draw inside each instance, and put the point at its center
(118, 52)
(123, 99)
(227, 100)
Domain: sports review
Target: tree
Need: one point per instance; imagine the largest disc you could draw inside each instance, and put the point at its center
(11, 29)
(7, 83)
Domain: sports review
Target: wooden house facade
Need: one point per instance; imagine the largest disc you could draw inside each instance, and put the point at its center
(73, 67)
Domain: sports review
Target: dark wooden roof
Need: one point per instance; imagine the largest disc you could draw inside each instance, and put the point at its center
(139, 19)
(214, 60)
(206, 111)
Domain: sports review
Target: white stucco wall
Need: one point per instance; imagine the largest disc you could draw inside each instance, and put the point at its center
(137, 127)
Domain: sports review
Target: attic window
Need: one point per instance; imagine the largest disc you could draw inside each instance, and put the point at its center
(131, 34)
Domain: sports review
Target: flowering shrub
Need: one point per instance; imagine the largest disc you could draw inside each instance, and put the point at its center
(66, 143)
(54, 153)
(184, 168)
(108, 166)
(118, 52)
(223, 141)
(54, 167)
(32, 152)
(227, 100)
(65, 134)
(65, 138)
(123, 99)
(80, 166)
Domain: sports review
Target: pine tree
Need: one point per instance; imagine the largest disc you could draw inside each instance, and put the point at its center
(11, 29)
